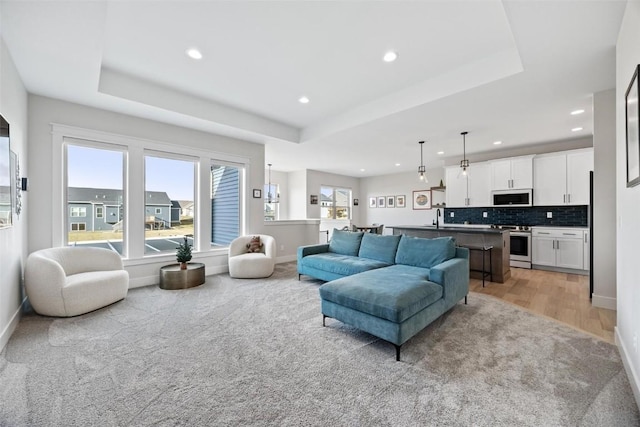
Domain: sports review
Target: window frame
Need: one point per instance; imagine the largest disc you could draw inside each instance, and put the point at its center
(78, 224)
(334, 206)
(134, 149)
(100, 212)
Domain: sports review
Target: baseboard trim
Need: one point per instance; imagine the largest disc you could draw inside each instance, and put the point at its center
(286, 258)
(628, 367)
(13, 324)
(603, 302)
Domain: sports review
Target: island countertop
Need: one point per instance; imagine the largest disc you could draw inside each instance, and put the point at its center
(458, 228)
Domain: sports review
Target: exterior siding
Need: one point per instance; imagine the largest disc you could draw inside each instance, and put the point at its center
(225, 205)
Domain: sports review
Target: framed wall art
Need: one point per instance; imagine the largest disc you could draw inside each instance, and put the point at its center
(401, 201)
(257, 193)
(422, 199)
(313, 199)
(391, 201)
(633, 130)
(382, 202)
(373, 202)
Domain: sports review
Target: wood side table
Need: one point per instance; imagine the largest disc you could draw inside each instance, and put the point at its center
(172, 278)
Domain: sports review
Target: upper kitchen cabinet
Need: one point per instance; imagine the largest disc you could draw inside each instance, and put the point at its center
(562, 178)
(472, 191)
(512, 173)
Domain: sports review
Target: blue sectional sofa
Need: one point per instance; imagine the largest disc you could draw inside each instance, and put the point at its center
(389, 286)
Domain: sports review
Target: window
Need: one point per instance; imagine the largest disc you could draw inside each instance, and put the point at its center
(168, 188)
(78, 211)
(335, 203)
(95, 176)
(271, 202)
(226, 185)
(169, 181)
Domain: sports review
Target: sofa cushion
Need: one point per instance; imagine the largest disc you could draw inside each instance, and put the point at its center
(383, 294)
(345, 242)
(344, 265)
(422, 252)
(379, 247)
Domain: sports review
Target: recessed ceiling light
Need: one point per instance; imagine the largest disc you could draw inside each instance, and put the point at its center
(390, 56)
(194, 53)
(497, 142)
(303, 100)
(362, 170)
(576, 112)
(440, 153)
(576, 129)
(397, 164)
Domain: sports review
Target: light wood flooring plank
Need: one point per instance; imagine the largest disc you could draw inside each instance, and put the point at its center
(560, 296)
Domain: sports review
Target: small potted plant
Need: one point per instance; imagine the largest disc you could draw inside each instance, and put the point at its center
(183, 253)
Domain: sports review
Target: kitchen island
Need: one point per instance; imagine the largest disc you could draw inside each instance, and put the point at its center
(470, 235)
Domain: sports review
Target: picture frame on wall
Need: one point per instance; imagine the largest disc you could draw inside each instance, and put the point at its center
(391, 201)
(633, 130)
(401, 201)
(313, 199)
(381, 202)
(373, 202)
(422, 199)
(257, 193)
(356, 202)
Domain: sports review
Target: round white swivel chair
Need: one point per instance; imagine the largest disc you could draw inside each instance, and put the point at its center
(69, 281)
(252, 265)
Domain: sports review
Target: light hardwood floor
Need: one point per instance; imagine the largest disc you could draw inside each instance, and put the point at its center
(560, 296)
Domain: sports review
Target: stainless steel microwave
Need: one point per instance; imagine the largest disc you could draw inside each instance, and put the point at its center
(513, 197)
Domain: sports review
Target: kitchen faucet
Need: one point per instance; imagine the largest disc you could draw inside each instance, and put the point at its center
(437, 221)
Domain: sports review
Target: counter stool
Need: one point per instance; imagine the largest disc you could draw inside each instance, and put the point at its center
(483, 249)
(471, 242)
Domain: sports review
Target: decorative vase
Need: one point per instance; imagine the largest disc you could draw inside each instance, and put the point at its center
(183, 266)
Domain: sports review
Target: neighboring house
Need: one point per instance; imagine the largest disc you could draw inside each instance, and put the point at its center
(186, 207)
(96, 209)
(175, 212)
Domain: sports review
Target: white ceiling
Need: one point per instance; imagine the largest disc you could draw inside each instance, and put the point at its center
(502, 70)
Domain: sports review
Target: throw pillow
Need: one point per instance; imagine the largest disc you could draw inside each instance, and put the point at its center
(345, 242)
(254, 244)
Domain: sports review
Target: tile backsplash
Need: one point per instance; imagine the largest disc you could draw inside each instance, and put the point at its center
(566, 216)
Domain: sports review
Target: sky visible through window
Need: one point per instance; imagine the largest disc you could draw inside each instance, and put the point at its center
(98, 168)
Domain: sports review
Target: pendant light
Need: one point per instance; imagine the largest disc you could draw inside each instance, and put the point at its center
(421, 169)
(270, 196)
(464, 163)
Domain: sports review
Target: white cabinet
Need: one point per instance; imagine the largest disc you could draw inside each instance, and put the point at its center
(562, 178)
(586, 259)
(512, 173)
(456, 195)
(558, 247)
(472, 191)
(478, 191)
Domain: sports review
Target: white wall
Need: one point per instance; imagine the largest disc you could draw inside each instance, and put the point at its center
(395, 185)
(628, 202)
(13, 240)
(316, 179)
(604, 193)
(297, 195)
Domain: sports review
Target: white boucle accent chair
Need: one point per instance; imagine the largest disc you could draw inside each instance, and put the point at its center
(244, 265)
(69, 281)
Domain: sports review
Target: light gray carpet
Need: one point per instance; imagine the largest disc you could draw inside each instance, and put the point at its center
(254, 352)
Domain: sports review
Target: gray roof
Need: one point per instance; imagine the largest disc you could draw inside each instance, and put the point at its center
(109, 196)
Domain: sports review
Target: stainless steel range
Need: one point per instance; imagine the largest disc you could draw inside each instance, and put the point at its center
(520, 236)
